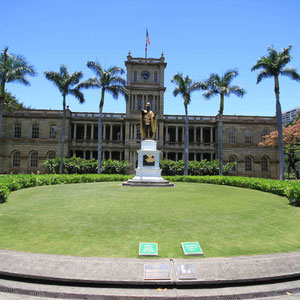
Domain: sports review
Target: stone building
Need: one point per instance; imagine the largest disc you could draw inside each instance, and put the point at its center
(31, 136)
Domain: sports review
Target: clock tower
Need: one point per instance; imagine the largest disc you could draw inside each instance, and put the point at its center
(145, 83)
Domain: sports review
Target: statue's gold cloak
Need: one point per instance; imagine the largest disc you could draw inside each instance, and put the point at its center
(153, 123)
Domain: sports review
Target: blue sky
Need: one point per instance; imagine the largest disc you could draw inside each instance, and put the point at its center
(197, 38)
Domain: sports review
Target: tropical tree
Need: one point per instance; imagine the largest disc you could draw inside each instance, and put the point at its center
(11, 103)
(291, 144)
(13, 68)
(185, 86)
(67, 85)
(273, 65)
(109, 81)
(221, 85)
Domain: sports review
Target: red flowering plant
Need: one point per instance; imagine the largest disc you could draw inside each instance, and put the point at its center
(291, 141)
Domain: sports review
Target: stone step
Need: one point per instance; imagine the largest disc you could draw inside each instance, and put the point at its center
(144, 183)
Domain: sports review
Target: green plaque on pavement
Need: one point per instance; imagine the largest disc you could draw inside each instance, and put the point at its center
(148, 249)
(191, 248)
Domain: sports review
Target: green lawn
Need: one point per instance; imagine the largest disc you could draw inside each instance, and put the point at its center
(108, 220)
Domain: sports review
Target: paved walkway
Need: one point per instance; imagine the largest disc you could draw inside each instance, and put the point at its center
(25, 271)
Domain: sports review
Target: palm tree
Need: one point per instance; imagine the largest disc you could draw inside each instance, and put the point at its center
(220, 85)
(108, 81)
(273, 65)
(185, 86)
(65, 82)
(13, 68)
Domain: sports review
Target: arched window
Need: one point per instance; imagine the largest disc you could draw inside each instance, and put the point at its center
(248, 136)
(155, 77)
(50, 155)
(248, 163)
(263, 133)
(265, 164)
(135, 76)
(17, 131)
(232, 136)
(233, 159)
(52, 133)
(35, 131)
(16, 159)
(33, 159)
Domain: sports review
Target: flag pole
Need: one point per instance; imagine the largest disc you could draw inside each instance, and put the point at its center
(146, 46)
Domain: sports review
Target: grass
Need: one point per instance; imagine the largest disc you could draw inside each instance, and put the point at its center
(108, 220)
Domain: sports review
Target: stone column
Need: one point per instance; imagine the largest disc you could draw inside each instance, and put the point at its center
(195, 134)
(84, 154)
(211, 134)
(111, 132)
(176, 156)
(91, 154)
(92, 131)
(75, 131)
(176, 134)
(201, 134)
(201, 156)
(121, 132)
(135, 132)
(167, 134)
(104, 131)
(109, 154)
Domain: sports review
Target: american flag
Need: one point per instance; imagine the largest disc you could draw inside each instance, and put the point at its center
(147, 37)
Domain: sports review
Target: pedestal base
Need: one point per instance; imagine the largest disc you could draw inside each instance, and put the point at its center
(148, 172)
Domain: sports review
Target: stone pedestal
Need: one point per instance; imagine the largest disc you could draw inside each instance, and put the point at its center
(148, 172)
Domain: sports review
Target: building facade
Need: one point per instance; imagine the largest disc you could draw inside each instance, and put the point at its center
(289, 115)
(31, 136)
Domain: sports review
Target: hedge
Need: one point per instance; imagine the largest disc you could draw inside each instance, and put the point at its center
(77, 165)
(195, 168)
(288, 189)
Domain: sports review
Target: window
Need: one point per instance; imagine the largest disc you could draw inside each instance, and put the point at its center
(232, 159)
(265, 164)
(248, 164)
(52, 134)
(35, 131)
(33, 159)
(17, 131)
(139, 103)
(232, 136)
(16, 159)
(135, 76)
(51, 155)
(155, 77)
(248, 136)
(263, 133)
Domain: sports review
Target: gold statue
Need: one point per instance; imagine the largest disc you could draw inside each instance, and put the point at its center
(148, 123)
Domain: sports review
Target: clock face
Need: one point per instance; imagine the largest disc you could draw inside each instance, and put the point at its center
(145, 75)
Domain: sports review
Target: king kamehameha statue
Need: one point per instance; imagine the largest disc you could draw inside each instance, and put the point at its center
(148, 172)
(147, 123)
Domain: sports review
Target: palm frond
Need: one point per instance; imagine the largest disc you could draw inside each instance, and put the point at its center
(74, 78)
(78, 94)
(230, 75)
(115, 71)
(291, 73)
(262, 75)
(237, 90)
(209, 94)
(90, 83)
(95, 67)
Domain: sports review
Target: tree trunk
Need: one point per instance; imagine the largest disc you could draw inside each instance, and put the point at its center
(63, 132)
(186, 141)
(1, 107)
(220, 136)
(279, 129)
(100, 132)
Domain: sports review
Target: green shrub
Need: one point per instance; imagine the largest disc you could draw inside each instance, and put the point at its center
(77, 165)
(195, 168)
